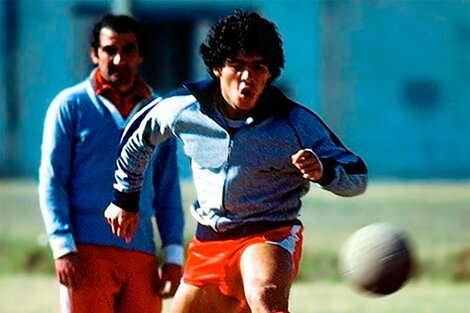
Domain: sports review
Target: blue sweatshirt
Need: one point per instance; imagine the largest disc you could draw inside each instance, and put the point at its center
(81, 139)
(241, 175)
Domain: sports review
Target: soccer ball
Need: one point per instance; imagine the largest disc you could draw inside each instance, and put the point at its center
(377, 259)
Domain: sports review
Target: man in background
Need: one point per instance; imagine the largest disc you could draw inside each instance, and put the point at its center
(99, 272)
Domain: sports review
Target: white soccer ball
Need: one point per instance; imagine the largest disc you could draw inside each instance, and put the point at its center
(377, 259)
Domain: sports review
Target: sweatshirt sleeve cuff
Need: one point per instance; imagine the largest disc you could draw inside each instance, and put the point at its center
(328, 168)
(329, 171)
(173, 254)
(128, 201)
(62, 245)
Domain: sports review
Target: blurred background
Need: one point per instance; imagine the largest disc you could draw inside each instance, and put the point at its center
(390, 77)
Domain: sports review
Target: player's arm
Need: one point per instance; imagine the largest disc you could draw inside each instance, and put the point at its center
(344, 178)
(137, 145)
(344, 172)
(54, 172)
(324, 159)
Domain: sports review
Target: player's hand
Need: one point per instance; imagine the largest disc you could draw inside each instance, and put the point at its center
(123, 223)
(308, 164)
(171, 277)
(69, 270)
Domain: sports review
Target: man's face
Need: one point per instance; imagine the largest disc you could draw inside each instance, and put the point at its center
(242, 81)
(118, 58)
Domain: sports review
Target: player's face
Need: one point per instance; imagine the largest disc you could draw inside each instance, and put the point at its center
(242, 81)
(118, 58)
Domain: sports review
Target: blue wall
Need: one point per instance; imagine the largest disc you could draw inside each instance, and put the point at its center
(2, 86)
(42, 66)
(396, 84)
(390, 77)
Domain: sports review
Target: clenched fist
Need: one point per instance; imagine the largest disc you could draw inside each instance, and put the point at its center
(308, 164)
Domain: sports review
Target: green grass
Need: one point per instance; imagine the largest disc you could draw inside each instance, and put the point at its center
(306, 297)
(436, 215)
(422, 297)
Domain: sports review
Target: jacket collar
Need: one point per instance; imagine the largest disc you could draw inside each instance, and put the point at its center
(125, 104)
(272, 102)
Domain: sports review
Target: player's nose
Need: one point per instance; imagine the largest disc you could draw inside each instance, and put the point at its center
(117, 59)
(245, 74)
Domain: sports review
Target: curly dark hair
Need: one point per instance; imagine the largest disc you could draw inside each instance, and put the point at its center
(243, 31)
(120, 24)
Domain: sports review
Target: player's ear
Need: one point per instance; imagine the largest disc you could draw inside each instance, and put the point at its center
(217, 71)
(93, 55)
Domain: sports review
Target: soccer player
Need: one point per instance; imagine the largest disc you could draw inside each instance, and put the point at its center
(254, 154)
(98, 271)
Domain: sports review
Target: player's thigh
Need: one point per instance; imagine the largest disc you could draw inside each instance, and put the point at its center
(265, 264)
(192, 299)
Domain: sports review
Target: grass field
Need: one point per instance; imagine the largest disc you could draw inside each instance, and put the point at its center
(307, 297)
(436, 215)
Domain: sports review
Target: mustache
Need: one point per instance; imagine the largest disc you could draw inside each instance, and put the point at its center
(119, 70)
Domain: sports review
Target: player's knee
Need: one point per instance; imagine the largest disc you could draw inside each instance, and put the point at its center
(267, 298)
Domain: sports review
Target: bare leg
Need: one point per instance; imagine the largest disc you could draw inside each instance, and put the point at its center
(184, 297)
(267, 277)
(191, 299)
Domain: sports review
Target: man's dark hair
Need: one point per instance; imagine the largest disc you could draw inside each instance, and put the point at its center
(120, 24)
(243, 31)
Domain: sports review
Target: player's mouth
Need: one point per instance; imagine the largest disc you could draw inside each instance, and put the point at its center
(247, 92)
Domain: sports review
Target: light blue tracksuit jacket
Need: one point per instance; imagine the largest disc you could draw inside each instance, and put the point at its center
(81, 139)
(244, 175)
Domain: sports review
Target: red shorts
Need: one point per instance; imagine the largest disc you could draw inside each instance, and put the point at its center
(218, 261)
(116, 280)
